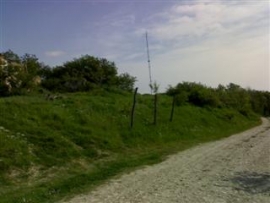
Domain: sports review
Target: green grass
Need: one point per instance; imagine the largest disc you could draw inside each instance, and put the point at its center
(53, 149)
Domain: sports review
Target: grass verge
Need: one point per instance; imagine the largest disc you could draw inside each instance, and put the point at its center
(53, 149)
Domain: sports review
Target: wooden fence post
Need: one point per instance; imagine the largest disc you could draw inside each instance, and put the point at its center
(172, 111)
(155, 109)
(133, 108)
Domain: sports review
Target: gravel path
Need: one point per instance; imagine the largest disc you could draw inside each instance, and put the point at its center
(232, 170)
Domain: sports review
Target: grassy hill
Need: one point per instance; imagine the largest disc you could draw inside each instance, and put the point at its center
(53, 148)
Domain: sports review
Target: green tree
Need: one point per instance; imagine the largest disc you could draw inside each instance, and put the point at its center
(260, 102)
(31, 64)
(95, 70)
(10, 56)
(126, 82)
(81, 74)
(11, 78)
(31, 67)
(194, 93)
(20, 74)
(238, 98)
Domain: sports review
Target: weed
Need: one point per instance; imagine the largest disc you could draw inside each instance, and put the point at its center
(54, 137)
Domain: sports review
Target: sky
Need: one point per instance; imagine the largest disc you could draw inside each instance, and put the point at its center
(205, 41)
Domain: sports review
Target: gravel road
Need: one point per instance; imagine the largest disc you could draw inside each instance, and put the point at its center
(232, 170)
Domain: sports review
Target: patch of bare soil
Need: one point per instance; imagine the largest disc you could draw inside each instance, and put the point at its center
(232, 170)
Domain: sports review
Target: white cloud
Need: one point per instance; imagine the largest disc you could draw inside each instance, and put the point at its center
(201, 19)
(245, 63)
(213, 43)
(116, 19)
(54, 53)
(123, 20)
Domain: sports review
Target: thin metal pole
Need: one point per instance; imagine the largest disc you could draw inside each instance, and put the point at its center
(149, 63)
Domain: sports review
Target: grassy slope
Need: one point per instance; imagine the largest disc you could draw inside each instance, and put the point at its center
(50, 149)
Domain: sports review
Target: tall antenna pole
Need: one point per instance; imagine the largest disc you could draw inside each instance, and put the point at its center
(148, 60)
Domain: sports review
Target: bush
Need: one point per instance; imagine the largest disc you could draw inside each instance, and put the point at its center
(126, 82)
(84, 74)
(195, 94)
(18, 74)
(203, 97)
(181, 98)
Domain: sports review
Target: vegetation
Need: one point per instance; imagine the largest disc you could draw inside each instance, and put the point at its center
(22, 74)
(232, 96)
(48, 144)
(75, 131)
(18, 74)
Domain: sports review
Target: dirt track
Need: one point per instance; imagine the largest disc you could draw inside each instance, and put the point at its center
(232, 170)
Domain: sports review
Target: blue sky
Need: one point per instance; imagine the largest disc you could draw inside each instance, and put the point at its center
(208, 41)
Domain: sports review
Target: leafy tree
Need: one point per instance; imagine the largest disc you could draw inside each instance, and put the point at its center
(20, 74)
(194, 93)
(99, 71)
(10, 56)
(203, 97)
(31, 64)
(260, 102)
(81, 74)
(238, 98)
(84, 74)
(45, 72)
(11, 78)
(126, 82)
(231, 96)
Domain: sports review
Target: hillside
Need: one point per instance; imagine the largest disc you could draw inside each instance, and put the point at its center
(51, 148)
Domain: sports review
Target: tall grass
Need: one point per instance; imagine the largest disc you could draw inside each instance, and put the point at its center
(50, 149)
